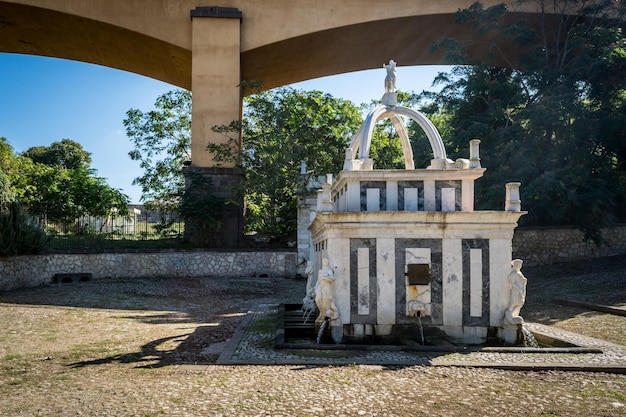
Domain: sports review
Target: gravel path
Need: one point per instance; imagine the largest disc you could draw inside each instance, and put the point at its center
(132, 348)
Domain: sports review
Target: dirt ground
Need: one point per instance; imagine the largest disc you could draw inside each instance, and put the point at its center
(116, 348)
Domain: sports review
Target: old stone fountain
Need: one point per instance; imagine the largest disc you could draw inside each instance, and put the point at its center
(390, 251)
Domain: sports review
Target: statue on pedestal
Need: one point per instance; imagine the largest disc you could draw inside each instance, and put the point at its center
(517, 293)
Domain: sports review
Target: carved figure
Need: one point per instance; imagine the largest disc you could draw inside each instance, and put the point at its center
(390, 79)
(517, 293)
(308, 302)
(324, 294)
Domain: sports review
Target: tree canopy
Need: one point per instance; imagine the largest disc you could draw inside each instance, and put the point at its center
(65, 154)
(556, 123)
(281, 128)
(56, 182)
(53, 183)
(7, 157)
(162, 144)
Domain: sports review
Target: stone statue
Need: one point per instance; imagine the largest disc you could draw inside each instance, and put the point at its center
(390, 79)
(308, 302)
(517, 293)
(324, 294)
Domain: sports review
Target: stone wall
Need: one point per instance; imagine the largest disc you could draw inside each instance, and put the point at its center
(542, 246)
(536, 246)
(30, 271)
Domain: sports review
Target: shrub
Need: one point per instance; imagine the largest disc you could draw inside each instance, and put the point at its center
(18, 236)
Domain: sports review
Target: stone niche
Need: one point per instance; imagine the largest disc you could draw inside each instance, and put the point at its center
(407, 247)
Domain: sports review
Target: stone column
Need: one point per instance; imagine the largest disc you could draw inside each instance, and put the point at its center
(216, 101)
(474, 154)
(512, 201)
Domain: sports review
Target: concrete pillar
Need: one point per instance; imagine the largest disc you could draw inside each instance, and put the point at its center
(216, 101)
(215, 80)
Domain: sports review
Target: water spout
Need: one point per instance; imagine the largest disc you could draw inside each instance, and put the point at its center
(529, 338)
(320, 333)
(308, 308)
(419, 322)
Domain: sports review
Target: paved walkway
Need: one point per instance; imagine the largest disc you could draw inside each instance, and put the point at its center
(253, 343)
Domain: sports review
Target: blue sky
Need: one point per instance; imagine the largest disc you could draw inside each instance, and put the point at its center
(43, 100)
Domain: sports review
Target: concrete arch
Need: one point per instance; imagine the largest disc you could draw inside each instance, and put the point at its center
(33, 30)
(362, 141)
(314, 39)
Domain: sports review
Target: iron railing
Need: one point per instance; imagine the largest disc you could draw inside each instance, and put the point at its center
(138, 230)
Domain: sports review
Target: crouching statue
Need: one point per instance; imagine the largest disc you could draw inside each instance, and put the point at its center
(324, 293)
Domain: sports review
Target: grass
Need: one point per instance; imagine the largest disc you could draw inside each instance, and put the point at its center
(142, 235)
(11, 357)
(264, 324)
(98, 349)
(594, 391)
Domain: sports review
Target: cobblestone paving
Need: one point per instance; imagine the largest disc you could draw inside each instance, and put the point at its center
(133, 347)
(255, 345)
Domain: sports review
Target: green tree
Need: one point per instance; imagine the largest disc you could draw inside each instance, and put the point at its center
(281, 128)
(59, 186)
(66, 154)
(555, 123)
(7, 157)
(162, 144)
(18, 234)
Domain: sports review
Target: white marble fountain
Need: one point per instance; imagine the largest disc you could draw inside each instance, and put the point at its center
(392, 250)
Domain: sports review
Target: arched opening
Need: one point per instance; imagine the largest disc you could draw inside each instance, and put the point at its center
(361, 143)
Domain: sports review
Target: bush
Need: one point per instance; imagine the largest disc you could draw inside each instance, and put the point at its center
(18, 236)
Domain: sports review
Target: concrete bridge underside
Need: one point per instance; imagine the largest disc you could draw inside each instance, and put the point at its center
(281, 41)
(210, 50)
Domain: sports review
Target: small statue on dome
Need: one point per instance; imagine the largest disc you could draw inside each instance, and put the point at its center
(390, 79)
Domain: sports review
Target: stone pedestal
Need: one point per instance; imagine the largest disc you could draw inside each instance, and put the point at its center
(227, 184)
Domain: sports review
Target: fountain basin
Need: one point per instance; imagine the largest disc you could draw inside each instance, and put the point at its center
(292, 332)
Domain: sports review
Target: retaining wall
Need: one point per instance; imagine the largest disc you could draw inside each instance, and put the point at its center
(33, 270)
(542, 246)
(536, 246)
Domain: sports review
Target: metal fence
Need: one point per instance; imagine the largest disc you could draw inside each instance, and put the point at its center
(138, 230)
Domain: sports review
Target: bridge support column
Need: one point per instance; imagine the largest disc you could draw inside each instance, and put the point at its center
(216, 101)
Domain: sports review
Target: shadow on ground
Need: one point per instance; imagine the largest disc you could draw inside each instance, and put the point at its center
(205, 312)
(599, 281)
